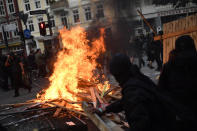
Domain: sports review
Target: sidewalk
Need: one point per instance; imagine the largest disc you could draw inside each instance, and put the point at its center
(38, 85)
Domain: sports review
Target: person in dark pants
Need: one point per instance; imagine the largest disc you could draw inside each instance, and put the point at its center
(140, 51)
(140, 100)
(158, 50)
(40, 61)
(3, 74)
(2, 128)
(136, 51)
(17, 71)
(178, 78)
(154, 54)
(150, 53)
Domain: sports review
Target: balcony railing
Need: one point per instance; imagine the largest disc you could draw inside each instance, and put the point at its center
(60, 5)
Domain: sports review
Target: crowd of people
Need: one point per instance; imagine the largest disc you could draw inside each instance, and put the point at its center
(140, 46)
(18, 70)
(169, 105)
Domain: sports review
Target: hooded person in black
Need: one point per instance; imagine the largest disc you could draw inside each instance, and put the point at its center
(178, 78)
(140, 100)
(17, 71)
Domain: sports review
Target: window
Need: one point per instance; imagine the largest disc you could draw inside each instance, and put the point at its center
(1, 37)
(37, 4)
(64, 20)
(15, 33)
(27, 5)
(2, 11)
(76, 16)
(100, 13)
(47, 2)
(88, 13)
(40, 19)
(10, 5)
(31, 26)
(52, 21)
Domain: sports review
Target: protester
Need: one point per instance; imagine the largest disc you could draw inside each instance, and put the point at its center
(178, 78)
(3, 75)
(140, 100)
(31, 60)
(154, 50)
(136, 51)
(49, 60)
(39, 58)
(2, 128)
(17, 70)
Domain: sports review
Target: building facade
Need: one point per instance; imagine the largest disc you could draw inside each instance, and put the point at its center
(71, 13)
(157, 15)
(42, 42)
(11, 24)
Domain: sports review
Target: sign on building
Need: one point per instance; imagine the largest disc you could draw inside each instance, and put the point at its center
(10, 27)
(37, 12)
(177, 11)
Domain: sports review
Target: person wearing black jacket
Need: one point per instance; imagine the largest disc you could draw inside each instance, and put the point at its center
(3, 73)
(141, 102)
(17, 71)
(178, 78)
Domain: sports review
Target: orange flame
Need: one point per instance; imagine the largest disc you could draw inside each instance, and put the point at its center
(76, 60)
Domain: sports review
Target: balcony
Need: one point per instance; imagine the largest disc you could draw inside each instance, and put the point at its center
(58, 6)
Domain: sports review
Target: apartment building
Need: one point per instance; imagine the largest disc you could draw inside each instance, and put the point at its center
(42, 42)
(8, 11)
(71, 13)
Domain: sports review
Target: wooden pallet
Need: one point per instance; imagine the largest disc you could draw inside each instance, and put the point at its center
(103, 123)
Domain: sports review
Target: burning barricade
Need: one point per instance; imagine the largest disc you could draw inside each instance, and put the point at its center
(76, 82)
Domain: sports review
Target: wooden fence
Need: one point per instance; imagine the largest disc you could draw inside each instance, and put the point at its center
(174, 29)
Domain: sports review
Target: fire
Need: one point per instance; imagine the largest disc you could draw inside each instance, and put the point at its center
(77, 60)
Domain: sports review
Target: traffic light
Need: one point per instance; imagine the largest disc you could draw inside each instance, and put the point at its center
(42, 28)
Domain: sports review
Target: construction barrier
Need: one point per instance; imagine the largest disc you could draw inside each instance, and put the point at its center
(174, 29)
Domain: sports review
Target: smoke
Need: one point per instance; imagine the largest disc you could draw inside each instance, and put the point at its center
(117, 24)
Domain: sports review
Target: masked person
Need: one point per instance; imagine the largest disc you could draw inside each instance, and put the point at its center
(17, 71)
(141, 102)
(178, 79)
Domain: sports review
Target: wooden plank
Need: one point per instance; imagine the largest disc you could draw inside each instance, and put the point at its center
(59, 109)
(173, 34)
(171, 40)
(164, 43)
(68, 109)
(167, 40)
(147, 23)
(103, 123)
(98, 96)
(95, 119)
(187, 25)
(93, 96)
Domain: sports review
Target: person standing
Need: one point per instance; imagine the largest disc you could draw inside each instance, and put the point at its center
(3, 74)
(39, 58)
(140, 100)
(154, 54)
(17, 70)
(178, 79)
